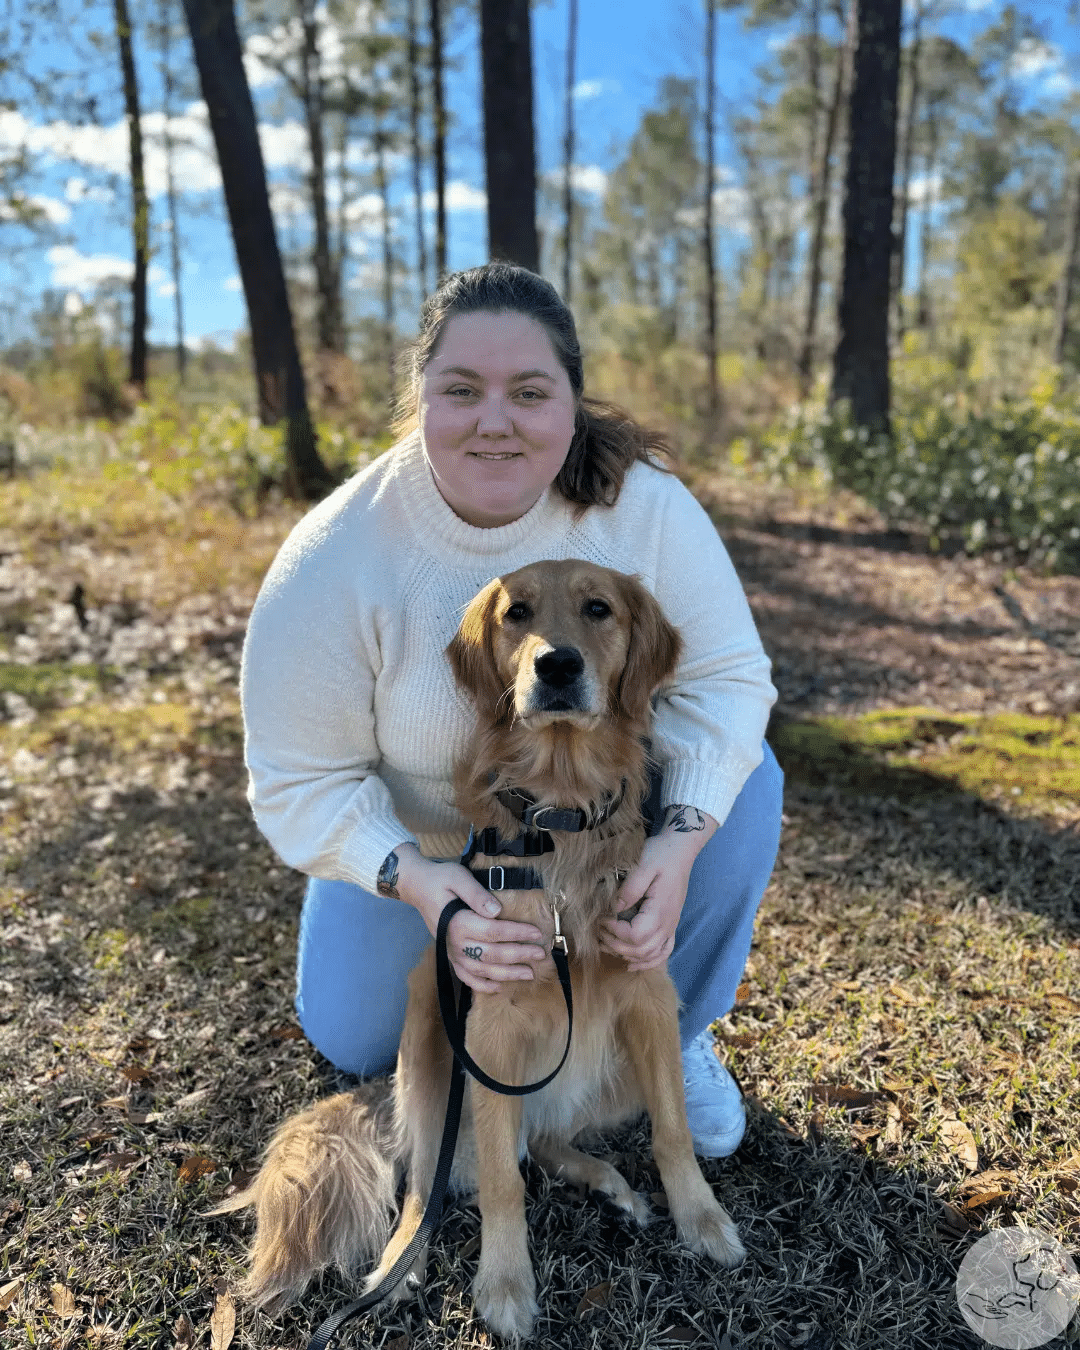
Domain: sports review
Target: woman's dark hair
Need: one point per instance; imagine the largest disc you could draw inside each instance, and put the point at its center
(606, 440)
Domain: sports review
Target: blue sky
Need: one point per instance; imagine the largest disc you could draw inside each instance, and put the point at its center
(625, 47)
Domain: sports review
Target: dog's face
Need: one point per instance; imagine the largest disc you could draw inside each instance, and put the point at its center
(563, 642)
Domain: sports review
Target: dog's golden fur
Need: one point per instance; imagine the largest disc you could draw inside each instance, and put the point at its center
(325, 1193)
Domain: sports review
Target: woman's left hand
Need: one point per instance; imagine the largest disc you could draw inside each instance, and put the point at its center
(659, 881)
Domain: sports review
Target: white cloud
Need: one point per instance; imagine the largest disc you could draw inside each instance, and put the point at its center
(1034, 57)
(80, 272)
(284, 144)
(593, 88)
(731, 209)
(459, 197)
(30, 206)
(587, 178)
(232, 283)
(167, 289)
(923, 189)
(79, 190)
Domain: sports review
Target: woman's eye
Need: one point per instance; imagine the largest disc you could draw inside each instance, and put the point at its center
(459, 390)
(518, 612)
(597, 609)
(531, 395)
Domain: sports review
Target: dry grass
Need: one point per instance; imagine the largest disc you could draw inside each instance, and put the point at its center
(916, 961)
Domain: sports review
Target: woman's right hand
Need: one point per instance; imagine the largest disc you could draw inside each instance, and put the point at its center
(483, 949)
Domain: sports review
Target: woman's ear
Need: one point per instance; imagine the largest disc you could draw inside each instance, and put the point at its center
(472, 652)
(655, 648)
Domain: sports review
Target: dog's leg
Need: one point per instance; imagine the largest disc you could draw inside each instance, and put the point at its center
(649, 1027)
(505, 1288)
(579, 1169)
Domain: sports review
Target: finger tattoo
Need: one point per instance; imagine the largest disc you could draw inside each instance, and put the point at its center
(477, 953)
(685, 819)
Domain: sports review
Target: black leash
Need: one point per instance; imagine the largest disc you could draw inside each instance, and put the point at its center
(454, 1020)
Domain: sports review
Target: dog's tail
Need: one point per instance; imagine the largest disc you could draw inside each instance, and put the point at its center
(325, 1194)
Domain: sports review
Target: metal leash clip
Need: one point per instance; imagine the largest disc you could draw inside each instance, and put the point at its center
(558, 940)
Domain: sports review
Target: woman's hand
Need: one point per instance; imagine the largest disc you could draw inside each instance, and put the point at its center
(483, 950)
(659, 882)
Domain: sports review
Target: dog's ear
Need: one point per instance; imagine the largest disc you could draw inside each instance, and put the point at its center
(655, 648)
(472, 652)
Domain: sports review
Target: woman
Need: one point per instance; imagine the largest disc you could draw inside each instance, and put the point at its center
(353, 721)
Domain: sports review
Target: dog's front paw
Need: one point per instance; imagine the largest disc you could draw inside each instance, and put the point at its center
(710, 1230)
(505, 1297)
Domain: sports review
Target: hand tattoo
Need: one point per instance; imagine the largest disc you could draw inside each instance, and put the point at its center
(477, 953)
(684, 819)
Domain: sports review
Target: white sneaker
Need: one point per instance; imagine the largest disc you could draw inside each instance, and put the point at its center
(714, 1105)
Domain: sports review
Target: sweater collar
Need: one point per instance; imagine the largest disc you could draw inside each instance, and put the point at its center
(443, 531)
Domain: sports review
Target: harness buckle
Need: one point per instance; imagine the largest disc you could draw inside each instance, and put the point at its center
(491, 878)
(558, 940)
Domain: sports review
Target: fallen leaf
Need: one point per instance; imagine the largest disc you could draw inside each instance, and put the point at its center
(1062, 1003)
(291, 1032)
(864, 1133)
(115, 1104)
(183, 1332)
(596, 1297)
(659, 1199)
(193, 1097)
(109, 1162)
(136, 1073)
(9, 1290)
(894, 1130)
(683, 1335)
(22, 1172)
(851, 1099)
(892, 1085)
(401, 1342)
(742, 994)
(63, 1300)
(742, 1040)
(196, 1165)
(985, 1181)
(901, 994)
(959, 1138)
(70, 1101)
(849, 986)
(954, 1219)
(984, 1198)
(814, 1128)
(222, 1322)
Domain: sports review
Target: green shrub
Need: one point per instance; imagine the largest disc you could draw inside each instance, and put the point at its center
(1005, 477)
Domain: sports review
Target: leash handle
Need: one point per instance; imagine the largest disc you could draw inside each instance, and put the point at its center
(456, 1033)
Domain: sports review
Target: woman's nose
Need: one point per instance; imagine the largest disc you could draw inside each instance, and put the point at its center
(493, 416)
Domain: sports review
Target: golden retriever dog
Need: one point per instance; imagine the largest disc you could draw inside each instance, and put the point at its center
(561, 660)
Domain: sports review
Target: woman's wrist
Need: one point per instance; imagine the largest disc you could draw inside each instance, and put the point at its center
(688, 828)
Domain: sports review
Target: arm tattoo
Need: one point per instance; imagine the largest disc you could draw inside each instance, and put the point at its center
(477, 953)
(684, 819)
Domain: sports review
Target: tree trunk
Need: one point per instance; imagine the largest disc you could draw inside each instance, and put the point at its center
(382, 184)
(820, 207)
(328, 326)
(1065, 288)
(140, 204)
(279, 377)
(509, 153)
(861, 361)
(440, 139)
(900, 255)
(568, 154)
(170, 190)
(415, 111)
(707, 242)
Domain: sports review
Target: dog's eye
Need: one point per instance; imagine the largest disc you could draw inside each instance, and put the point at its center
(596, 609)
(518, 612)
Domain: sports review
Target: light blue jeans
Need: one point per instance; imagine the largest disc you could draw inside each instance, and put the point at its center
(357, 949)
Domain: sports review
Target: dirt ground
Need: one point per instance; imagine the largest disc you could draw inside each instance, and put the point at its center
(908, 1032)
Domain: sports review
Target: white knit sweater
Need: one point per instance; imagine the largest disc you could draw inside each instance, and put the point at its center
(352, 717)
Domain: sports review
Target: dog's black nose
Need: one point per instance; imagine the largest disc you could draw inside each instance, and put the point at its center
(559, 667)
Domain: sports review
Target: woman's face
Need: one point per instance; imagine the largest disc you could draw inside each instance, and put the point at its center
(496, 415)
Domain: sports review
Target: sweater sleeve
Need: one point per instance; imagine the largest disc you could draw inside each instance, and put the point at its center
(307, 679)
(710, 721)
